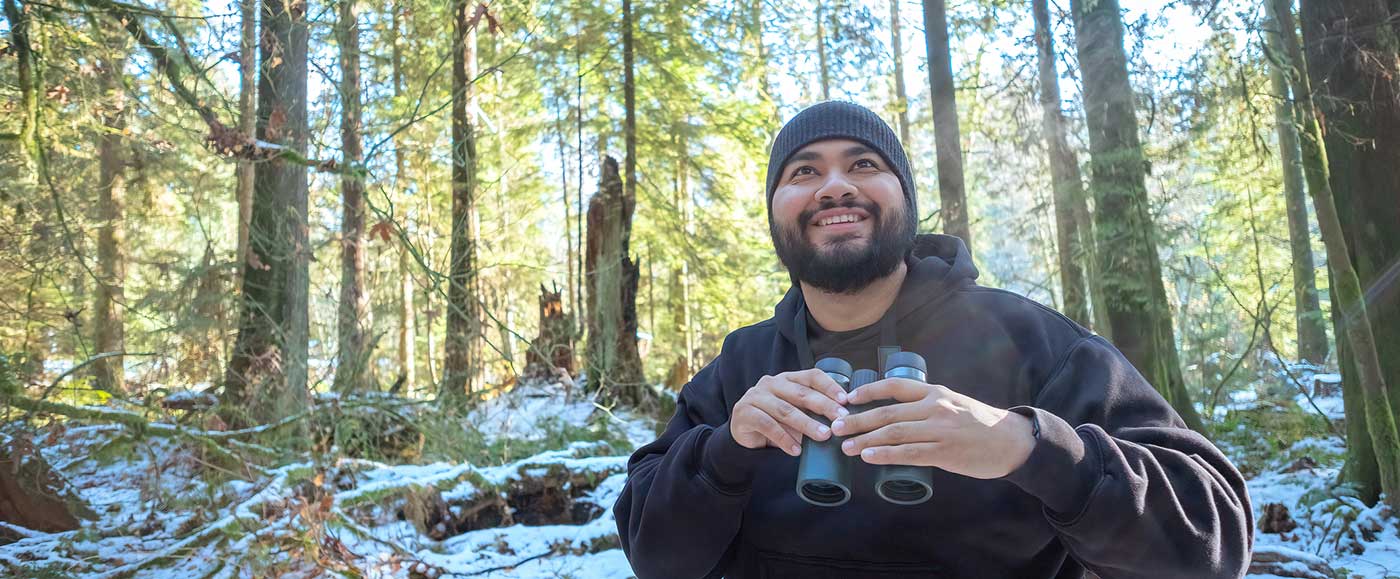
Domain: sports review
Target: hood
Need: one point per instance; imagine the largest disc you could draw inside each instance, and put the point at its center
(937, 264)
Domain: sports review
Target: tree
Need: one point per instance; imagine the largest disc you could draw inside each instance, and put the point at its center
(1312, 333)
(1064, 172)
(247, 120)
(266, 377)
(1134, 294)
(614, 366)
(111, 188)
(1353, 177)
(901, 96)
(947, 136)
(353, 317)
(408, 331)
(461, 366)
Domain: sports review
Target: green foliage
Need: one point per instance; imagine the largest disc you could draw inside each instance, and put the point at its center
(1264, 436)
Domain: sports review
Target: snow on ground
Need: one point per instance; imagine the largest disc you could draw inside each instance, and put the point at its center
(159, 519)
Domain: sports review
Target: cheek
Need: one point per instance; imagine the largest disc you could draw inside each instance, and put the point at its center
(787, 204)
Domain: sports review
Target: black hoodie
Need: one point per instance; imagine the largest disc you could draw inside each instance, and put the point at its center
(1116, 483)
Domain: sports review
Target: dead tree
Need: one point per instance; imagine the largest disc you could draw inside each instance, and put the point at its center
(614, 365)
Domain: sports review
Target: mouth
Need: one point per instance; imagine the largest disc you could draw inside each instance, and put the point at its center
(839, 220)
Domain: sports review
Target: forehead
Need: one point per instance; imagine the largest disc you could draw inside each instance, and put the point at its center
(829, 150)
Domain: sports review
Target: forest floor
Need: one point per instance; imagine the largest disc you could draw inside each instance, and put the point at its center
(549, 514)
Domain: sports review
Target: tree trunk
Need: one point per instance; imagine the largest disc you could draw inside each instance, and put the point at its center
(1135, 297)
(1350, 298)
(947, 137)
(30, 83)
(1064, 171)
(1362, 111)
(408, 316)
(1312, 333)
(247, 121)
(614, 365)
(111, 237)
(901, 95)
(462, 364)
(266, 377)
(821, 51)
(352, 369)
(1361, 468)
(760, 68)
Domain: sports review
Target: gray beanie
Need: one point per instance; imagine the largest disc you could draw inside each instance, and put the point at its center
(840, 120)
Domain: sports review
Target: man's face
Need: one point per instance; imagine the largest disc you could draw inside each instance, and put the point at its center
(839, 220)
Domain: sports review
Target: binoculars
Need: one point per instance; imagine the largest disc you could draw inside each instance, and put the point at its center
(825, 474)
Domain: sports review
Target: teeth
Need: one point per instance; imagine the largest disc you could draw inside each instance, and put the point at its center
(846, 218)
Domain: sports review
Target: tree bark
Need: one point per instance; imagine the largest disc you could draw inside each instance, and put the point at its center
(1064, 172)
(352, 368)
(461, 368)
(266, 377)
(821, 51)
(901, 94)
(408, 316)
(1135, 296)
(947, 137)
(1312, 333)
(111, 237)
(247, 121)
(1350, 299)
(614, 365)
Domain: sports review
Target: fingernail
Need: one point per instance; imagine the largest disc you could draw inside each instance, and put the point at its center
(867, 453)
(838, 425)
(848, 445)
(795, 450)
(842, 411)
(823, 429)
(841, 398)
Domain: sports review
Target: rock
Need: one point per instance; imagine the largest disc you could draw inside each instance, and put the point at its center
(1276, 519)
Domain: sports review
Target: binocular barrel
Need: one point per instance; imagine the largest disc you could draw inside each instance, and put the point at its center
(824, 473)
(903, 484)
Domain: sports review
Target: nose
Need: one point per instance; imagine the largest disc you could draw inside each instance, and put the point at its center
(836, 186)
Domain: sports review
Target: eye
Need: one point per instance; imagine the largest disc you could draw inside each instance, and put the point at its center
(803, 170)
(865, 164)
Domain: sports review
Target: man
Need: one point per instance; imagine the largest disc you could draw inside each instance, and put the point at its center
(1052, 454)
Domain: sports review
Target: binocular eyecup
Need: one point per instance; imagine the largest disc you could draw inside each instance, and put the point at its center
(824, 473)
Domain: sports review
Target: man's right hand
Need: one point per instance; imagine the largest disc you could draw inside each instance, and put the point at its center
(774, 412)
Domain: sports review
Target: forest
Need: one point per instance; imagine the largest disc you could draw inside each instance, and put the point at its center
(394, 288)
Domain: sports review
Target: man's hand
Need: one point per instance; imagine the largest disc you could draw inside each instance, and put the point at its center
(774, 412)
(934, 426)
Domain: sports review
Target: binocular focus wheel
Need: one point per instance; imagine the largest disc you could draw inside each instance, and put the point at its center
(825, 494)
(904, 492)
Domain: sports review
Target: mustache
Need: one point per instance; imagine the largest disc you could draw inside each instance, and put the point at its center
(869, 207)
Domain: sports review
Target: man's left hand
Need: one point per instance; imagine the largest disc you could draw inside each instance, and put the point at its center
(931, 425)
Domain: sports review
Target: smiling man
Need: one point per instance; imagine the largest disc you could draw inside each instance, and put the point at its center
(1051, 453)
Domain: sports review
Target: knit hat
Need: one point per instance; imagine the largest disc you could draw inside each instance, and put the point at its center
(840, 120)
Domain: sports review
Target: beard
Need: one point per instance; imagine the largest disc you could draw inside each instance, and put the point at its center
(844, 265)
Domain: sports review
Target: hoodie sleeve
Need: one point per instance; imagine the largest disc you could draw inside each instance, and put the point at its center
(1130, 490)
(686, 492)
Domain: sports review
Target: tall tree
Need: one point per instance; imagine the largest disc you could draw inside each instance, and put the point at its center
(266, 377)
(247, 119)
(111, 206)
(408, 331)
(1135, 297)
(1064, 171)
(1355, 45)
(901, 95)
(461, 367)
(1312, 333)
(353, 316)
(821, 51)
(947, 137)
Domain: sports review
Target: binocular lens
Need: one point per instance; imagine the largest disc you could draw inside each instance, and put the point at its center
(904, 492)
(825, 494)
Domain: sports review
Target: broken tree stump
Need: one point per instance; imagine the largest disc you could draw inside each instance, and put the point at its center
(554, 347)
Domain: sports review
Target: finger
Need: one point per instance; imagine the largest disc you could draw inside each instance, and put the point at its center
(806, 398)
(897, 433)
(819, 381)
(791, 416)
(916, 454)
(778, 436)
(871, 419)
(899, 389)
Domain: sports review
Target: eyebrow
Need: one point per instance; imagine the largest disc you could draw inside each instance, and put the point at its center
(854, 151)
